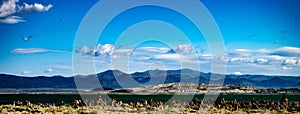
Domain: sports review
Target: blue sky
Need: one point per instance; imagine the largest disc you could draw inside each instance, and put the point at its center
(260, 37)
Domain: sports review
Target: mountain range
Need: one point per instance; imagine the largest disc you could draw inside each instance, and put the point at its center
(113, 79)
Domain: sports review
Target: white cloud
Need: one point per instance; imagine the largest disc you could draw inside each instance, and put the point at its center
(142, 58)
(84, 50)
(10, 7)
(284, 58)
(287, 68)
(115, 56)
(49, 70)
(119, 53)
(261, 60)
(276, 57)
(184, 48)
(99, 50)
(152, 50)
(36, 7)
(291, 62)
(33, 50)
(175, 58)
(12, 20)
(26, 72)
(123, 51)
(187, 49)
(241, 52)
(248, 60)
(237, 73)
(241, 59)
(283, 51)
(167, 57)
(110, 51)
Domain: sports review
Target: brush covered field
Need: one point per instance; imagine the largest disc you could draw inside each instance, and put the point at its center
(124, 103)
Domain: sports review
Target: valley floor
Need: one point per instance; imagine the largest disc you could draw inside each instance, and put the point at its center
(100, 106)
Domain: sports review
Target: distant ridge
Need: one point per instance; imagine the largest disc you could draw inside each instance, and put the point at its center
(108, 79)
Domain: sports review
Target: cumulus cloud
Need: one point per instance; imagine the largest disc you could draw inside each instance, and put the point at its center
(84, 50)
(184, 48)
(10, 7)
(99, 50)
(36, 7)
(247, 60)
(291, 62)
(187, 49)
(26, 72)
(284, 58)
(240, 59)
(261, 61)
(33, 50)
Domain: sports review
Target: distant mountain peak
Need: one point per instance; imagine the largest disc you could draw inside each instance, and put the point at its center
(108, 79)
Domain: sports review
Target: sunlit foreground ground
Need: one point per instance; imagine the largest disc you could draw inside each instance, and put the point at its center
(9, 109)
(154, 107)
